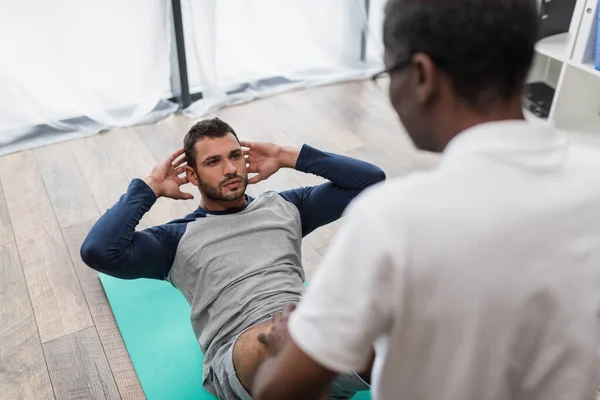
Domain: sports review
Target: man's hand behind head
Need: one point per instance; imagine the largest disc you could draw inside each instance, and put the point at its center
(165, 179)
(265, 159)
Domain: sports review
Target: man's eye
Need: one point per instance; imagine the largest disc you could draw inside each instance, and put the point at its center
(212, 162)
(236, 156)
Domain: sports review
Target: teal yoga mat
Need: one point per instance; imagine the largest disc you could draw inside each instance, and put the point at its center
(153, 318)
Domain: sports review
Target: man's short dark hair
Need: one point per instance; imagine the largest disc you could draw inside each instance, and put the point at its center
(208, 128)
(485, 46)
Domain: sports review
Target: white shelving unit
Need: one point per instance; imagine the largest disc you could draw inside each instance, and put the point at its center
(556, 46)
(566, 63)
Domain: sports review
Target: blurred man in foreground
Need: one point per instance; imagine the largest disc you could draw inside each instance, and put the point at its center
(480, 279)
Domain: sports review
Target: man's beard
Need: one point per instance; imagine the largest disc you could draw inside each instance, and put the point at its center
(216, 193)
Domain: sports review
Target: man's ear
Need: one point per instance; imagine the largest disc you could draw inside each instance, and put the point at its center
(191, 175)
(426, 78)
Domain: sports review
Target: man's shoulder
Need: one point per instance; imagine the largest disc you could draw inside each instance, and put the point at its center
(176, 227)
(272, 198)
(191, 217)
(285, 196)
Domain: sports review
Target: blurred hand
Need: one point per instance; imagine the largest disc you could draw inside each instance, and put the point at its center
(265, 159)
(165, 179)
(279, 335)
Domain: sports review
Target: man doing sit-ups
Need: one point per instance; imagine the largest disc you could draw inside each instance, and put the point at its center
(236, 259)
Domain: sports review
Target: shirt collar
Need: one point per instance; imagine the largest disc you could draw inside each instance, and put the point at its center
(234, 210)
(515, 136)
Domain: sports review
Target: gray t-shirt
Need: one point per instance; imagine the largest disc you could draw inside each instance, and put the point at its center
(246, 269)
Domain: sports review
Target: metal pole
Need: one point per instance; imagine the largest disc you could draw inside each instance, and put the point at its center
(179, 76)
(363, 38)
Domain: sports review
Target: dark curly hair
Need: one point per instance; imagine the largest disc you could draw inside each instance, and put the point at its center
(208, 128)
(485, 46)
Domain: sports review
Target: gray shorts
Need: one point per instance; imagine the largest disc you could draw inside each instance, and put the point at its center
(227, 386)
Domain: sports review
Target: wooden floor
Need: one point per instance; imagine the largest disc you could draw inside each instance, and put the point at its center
(58, 337)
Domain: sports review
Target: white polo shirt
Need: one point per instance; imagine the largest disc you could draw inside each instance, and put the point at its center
(477, 280)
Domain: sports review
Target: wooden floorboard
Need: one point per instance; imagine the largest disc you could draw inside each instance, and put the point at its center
(373, 154)
(79, 369)
(367, 114)
(70, 196)
(311, 259)
(108, 332)
(317, 128)
(56, 296)
(6, 234)
(23, 372)
(161, 141)
(137, 161)
(100, 169)
(102, 172)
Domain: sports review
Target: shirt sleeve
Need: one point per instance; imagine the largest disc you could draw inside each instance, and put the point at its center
(351, 301)
(114, 247)
(323, 204)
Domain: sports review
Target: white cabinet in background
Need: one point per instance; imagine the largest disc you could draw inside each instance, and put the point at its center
(566, 63)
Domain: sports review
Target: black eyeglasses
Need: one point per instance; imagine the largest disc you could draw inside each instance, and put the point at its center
(393, 67)
(439, 61)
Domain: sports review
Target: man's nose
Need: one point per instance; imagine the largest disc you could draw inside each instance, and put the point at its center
(230, 168)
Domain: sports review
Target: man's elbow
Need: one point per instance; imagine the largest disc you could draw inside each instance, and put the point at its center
(378, 175)
(94, 254)
(375, 175)
(90, 253)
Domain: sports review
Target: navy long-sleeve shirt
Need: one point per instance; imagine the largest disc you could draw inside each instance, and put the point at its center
(114, 247)
(236, 267)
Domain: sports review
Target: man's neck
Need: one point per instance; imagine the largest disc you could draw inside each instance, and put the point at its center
(467, 118)
(219, 205)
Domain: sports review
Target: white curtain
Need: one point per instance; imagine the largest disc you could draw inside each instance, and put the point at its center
(73, 68)
(375, 31)
(239, 50)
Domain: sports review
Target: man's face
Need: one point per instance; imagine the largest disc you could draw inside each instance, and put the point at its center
(221, 168)
(411, 95)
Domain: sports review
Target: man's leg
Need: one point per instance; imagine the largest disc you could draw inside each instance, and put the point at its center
(366, 375)
(345, 386)
(249, 353)
(236, 363)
